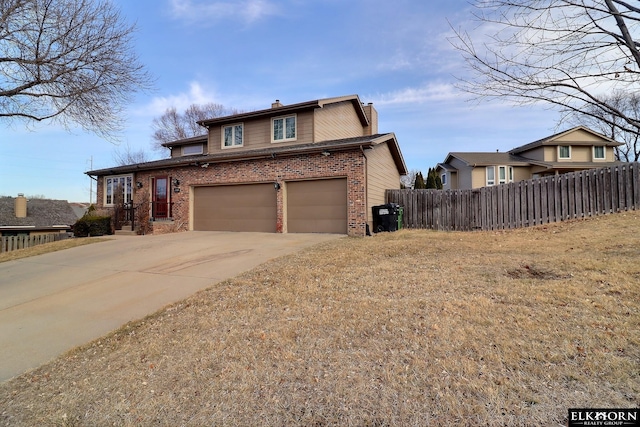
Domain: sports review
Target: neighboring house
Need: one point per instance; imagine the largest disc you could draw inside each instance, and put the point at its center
(575, 149)
(19, 216)
(317, 166)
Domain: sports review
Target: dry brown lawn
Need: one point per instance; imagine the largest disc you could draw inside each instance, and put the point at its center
(48, 247)
(414, 328)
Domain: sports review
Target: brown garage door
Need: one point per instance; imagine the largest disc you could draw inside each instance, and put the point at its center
(317, 206)
(250, 207)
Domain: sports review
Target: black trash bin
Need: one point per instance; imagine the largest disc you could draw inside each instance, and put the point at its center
(385, 217)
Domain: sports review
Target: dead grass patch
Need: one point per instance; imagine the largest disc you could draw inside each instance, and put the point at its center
(411, 328)
(48, 247)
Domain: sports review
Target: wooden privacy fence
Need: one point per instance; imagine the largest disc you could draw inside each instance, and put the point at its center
(525, 203)
(12, 243)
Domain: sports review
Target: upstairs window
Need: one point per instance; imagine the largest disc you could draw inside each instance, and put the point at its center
(564, 152)
(190, 150)
(598, 153)
(284, 129)
(233, 136)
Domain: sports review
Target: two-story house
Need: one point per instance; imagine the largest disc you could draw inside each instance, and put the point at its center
(316, 166)
(572, 150)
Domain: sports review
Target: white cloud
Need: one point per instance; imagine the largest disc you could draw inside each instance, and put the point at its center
(196, 95)
(247, 11)
(418, 95)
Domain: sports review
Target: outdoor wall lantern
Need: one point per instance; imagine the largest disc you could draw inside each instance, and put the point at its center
(138, 184)
(176, 182)
(276, 185)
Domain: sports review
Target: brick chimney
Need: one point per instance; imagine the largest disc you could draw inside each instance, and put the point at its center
(277, 104)
(21, 206)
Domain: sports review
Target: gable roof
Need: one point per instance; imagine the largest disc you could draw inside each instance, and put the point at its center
(262, 153)
(553, 140)
(474, 159)
(41, 213)
(198, 139)
(289, 109)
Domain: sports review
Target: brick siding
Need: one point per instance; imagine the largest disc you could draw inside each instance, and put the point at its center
(349, 164)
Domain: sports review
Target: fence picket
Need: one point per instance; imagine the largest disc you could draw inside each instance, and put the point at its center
(13, 243)
(514, 205)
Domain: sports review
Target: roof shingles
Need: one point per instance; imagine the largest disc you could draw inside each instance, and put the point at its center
(41, 213)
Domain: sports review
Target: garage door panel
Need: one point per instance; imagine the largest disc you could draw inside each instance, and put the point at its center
(318, 206)
(317, 212)
(250, 207)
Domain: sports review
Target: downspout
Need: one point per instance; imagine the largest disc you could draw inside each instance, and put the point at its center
(366, 192)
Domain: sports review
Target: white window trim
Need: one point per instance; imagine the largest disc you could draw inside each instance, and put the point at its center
(604, 153)
(443, 178)
(201, 151)
(508, 175)
(493, 181)
(564, 158)
(106, 189)
(500, 179)
(284, 128)
(233, 133)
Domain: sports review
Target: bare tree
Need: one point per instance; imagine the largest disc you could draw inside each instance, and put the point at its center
(71, 61)
(614, 126)
(172, 125)
(409, 179)
(567, 53)
(125, 155)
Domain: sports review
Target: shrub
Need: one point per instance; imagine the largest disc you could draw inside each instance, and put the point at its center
(90, 225)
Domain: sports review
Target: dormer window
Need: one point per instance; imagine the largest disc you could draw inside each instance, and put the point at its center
(233, 136)
(192, 149)
(564, 152)
(598, 153)
(284, 129)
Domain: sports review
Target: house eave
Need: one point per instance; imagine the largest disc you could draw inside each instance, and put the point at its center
(269, 153)
(270, 112)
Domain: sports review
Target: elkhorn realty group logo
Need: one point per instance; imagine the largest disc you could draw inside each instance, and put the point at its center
(604, 417)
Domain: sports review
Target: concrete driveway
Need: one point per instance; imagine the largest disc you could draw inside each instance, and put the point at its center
(52, 303)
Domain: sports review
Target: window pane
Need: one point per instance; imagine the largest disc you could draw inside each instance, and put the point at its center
(277, 129)
(291, 127)
(109, 190)
(491, 173)
(503, 173)
(228, 133)
(598, 152)
(128, 190)
(192, 149)
(564, 152)
(238, 136)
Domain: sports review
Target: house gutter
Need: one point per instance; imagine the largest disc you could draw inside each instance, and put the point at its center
(208, 159)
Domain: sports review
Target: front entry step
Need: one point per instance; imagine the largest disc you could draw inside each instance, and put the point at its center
(126, 231)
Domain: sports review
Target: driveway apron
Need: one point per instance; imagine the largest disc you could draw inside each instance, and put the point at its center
(52, 303)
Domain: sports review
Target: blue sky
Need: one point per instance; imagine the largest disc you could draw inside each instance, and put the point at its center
(245, 54)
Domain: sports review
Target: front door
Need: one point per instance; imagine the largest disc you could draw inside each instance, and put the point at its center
(161, 197)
